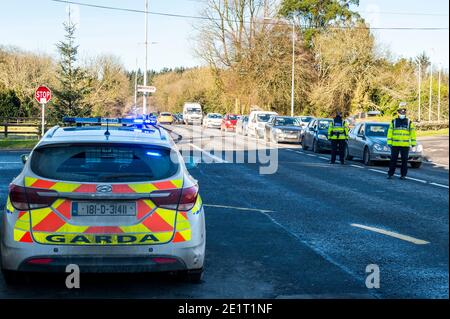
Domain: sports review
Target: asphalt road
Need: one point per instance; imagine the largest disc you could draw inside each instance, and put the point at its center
(307, 231)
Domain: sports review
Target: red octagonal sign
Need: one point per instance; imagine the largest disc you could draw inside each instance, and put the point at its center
(43, 95)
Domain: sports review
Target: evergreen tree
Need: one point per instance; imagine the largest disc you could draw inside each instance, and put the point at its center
(74, 83)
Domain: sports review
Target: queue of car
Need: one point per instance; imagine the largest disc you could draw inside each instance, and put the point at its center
(367, 141)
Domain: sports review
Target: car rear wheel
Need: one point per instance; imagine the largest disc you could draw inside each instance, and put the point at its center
(14, 278)
(416, 164)
(366, 157)
(347, 154)
(190, 276)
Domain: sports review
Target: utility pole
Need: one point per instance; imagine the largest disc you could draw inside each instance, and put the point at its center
(431, 92)
(439, 95)
(293, 69)
(420, 91)
(144, 107)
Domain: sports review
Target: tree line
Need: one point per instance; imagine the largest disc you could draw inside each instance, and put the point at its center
(246, 46)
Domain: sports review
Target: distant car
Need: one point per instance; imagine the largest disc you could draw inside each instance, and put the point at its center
(316, 135)
(241, 125)
(165, 118)
(304, 120)
(282, 129)
(368, 141)
(229, 122)
(212, 120)
(257, 121)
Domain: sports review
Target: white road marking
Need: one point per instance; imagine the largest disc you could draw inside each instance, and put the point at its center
(10, 162)
(298, 152)
(240, 208)
(312, 155)
(440, 185)
(357, 166)
(217, 159)
(392, 234)
(377, 171)
(324, 158)
(417, 180)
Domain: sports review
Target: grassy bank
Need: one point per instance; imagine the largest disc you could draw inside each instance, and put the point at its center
(11, 144)
(441, 132)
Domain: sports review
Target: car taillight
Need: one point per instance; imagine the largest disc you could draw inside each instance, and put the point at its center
(24, 198)
(177, 199)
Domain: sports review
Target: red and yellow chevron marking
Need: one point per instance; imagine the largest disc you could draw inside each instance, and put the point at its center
(92, 188)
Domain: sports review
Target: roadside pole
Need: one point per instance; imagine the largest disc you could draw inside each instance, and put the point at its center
(43, 120)
(43, 95)
(431, 93)
(439, 95)
(420, 91)
(144, 108)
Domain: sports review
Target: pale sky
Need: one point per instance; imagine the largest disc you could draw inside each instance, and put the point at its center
(36, 25)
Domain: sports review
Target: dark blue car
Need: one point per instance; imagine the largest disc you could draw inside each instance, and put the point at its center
(315, 136)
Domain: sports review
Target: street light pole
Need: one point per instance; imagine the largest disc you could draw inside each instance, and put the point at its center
(420, 91)
(144, 108)
(431, 93)
(439, 94)
(293, 70)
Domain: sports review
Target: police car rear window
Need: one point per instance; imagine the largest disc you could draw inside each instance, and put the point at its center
(103, 163)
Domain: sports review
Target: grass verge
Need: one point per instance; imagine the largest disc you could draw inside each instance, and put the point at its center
(9, 144)
(441, 132)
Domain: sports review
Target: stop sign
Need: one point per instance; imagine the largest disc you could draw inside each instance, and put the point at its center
(43, 94)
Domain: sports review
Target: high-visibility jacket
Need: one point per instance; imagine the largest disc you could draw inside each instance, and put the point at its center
(338, 130)
(401, 133)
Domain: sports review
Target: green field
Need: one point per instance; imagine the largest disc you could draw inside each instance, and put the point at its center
(12, 144)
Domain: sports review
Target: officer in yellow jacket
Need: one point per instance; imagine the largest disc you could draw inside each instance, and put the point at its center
(401, 137)
(338, 135)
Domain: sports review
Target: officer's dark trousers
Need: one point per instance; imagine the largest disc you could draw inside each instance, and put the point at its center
(335, 144)
(395, 151)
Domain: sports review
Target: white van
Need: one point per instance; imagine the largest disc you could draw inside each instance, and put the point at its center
(192, 113)
(257, 121)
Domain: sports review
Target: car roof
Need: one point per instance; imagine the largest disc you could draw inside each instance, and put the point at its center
(96, 134)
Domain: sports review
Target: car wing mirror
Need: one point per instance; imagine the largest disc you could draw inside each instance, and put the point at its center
(24, 158)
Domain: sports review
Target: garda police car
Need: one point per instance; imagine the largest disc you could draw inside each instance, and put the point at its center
(114, 198)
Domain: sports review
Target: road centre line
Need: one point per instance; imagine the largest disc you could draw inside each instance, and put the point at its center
(240, 208)
(416, 179)
(324, 158)
(10, 162)
(217, 159)
(357, 166)
(439, 185)
(392, 234)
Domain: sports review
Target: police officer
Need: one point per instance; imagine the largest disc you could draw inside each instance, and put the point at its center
(338, 135)
(401, 136)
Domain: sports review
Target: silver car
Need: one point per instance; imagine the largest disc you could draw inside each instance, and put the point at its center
(368, 141)
(109, 200)
(282, 129)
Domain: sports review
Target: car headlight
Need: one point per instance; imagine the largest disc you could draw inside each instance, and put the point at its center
(417, 148)
(322, 137)
(381, 148)
(278, 131)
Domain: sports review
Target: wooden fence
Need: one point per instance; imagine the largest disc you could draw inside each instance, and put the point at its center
(20, 126)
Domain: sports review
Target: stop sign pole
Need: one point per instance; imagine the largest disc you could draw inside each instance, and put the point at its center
(43, 95)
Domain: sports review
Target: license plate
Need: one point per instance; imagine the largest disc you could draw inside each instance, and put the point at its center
(103, 209)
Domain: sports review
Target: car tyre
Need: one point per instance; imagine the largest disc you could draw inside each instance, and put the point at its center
(191, 276)
(366, 157)
(416, 164)
(14, 278)
(316, 148)
(347, 154)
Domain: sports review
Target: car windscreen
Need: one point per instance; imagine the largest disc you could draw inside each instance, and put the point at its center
(232, 117)
(195, 111)
(286, 121)
(214, 116)
(166, 114)
(306, 119)
(112, 163)
(377, 130)
(264, 117)
(323, 125)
